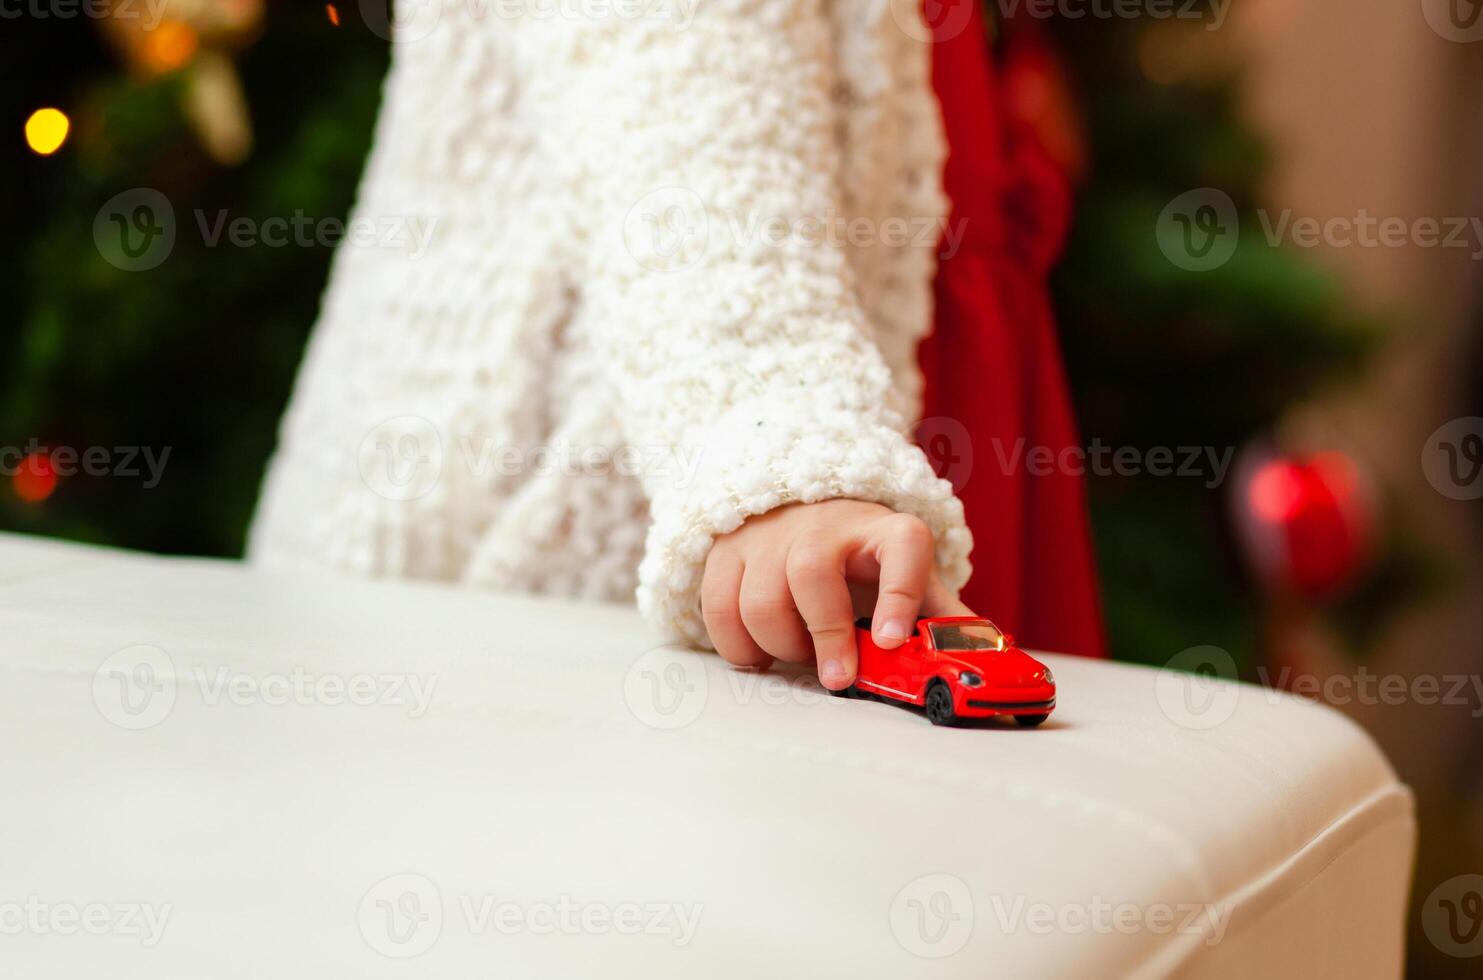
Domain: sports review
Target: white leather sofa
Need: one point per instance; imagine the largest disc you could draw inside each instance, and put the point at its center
(211, 772)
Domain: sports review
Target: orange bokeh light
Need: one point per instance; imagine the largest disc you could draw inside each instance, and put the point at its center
(169, 46)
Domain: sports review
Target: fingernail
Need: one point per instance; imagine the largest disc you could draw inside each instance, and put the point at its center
(895, 629)
(831, 672)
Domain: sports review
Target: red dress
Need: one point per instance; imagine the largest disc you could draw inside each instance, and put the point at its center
(993, 362)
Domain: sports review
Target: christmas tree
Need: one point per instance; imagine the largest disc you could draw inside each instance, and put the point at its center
(188, 349)
(1187, 351)
(225, 109)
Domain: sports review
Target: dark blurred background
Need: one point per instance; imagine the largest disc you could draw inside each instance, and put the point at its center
(1338, 373)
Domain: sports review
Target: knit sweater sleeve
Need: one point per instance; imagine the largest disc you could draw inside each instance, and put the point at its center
(707, 169)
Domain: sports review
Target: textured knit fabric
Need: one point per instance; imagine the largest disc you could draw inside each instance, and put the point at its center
(706, 243)
(993, 363)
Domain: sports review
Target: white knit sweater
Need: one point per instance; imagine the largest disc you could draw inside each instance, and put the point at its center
(618, 279)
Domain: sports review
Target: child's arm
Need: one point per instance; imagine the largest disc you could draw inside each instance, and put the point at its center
(739, 349)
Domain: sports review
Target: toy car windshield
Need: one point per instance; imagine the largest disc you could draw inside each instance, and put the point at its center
(967, 636)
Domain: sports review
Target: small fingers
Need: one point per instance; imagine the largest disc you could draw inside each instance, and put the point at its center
(816, 577)
(768, 613)
(719, 590)
(904, 549)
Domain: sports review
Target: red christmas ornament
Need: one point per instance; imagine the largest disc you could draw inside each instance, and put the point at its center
(1307, 523)
(35, 479)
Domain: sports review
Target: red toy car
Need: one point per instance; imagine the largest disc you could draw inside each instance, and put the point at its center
(956, 667)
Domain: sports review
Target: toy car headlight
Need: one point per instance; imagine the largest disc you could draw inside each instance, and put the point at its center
(969, 679)
(1049, 677)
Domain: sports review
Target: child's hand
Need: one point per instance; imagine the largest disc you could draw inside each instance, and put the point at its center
(779, 585)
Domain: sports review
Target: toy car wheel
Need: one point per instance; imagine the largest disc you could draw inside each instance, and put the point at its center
(1030, 721)
(940, 705)
(845, 692)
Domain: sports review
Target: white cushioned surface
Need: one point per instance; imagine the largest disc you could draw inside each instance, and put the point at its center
(544, 798)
